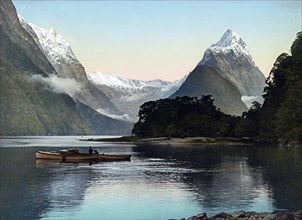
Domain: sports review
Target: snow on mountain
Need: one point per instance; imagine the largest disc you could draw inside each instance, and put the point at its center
(52, 43)
(230, 57)
(229, 42)
(228, 73)
(128, 95)
(115, 81)
(70, 77)
(121, 83)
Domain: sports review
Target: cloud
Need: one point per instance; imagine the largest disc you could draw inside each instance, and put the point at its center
(248, 100)
(124, 117)
(58, 84)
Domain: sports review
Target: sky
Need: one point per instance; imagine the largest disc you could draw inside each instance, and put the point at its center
(149, 40)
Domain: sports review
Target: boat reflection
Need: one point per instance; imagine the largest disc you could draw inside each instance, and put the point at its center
(73, 155)
(53, 162)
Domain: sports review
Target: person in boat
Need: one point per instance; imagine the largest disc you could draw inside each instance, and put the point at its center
(90, 150)
(96, 152)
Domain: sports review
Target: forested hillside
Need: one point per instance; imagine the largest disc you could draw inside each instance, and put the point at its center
(280, 116)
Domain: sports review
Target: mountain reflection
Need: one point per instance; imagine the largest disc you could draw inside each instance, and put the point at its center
(19, 185)
(236, 187)
(243, 177)
(68, 185)
(282, 173)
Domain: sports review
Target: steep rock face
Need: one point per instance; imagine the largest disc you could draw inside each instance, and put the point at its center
(30, 110)
(27, 108)
(102, 117)
(59, 53)
(128, 95)
(20, 50)
(204, 80)
(230, 57)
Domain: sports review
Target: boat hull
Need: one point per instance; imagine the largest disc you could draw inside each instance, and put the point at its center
(65, 157)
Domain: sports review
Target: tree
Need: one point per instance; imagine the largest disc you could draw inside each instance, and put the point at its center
(183, 116)
(289, 115)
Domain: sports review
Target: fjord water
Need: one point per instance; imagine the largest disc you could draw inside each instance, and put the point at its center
(160, 182)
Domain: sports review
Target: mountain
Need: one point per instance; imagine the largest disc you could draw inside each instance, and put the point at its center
(110, 95)
(228, 73)
(44, 88)
(71, 77)
(26, 107)
(128, 95)
(59, 53)
(204, 80)
(230, 57)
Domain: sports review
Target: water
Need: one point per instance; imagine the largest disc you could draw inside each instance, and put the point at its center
(160, 182)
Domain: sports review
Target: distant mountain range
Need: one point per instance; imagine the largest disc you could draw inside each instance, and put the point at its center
(110, 95)
(45, 89)
(129, 94)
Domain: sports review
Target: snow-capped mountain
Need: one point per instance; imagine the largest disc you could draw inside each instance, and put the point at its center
(121, 83)
(229, 42)
(27, 108)
(59, 53)
(52, 43)
(57, 50)
(68, 69)
(128, 94)
(109, 95)
(228, 73)
(231, 58)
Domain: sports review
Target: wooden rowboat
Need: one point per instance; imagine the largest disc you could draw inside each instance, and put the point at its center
(67, 156)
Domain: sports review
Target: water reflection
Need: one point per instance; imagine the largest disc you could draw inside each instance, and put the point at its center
(221, 179)
(160, 182)
(20, 183)
(282, 173)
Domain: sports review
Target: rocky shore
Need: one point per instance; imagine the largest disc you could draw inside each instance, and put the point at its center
(242, 215)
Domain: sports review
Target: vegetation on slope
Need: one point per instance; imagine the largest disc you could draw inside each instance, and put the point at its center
(29, 110)
(280, 116)
(205, 80)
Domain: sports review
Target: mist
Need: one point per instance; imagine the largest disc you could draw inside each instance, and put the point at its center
(58, 84)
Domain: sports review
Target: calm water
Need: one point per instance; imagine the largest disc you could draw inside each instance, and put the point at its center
(160, 182)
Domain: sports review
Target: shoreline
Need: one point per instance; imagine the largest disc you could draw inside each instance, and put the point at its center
(184, 140)
(196, 140)
(199, 140)
(275, 215)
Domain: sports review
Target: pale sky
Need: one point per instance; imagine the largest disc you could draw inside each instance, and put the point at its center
(164, 39)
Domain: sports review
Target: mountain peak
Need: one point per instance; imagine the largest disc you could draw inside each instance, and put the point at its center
(230, 38)
(52, 43)
(229, 42)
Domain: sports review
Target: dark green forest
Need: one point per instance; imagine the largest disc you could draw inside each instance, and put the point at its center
(278, 118)
(184, 116)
